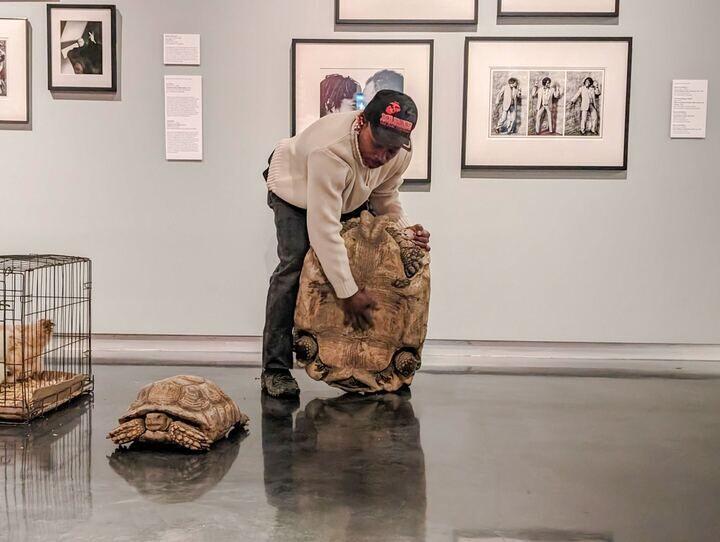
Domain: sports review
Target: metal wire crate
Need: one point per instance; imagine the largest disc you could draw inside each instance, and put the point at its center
(45, 328)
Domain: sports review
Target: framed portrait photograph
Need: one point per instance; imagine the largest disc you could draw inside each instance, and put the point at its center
(558, 8)
(332, 76)
(546, 103)
(14, 70)
(82, 52)
(406, 12)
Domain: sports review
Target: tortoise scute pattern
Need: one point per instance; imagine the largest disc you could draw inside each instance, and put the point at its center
(396, 273)
(188, 411)
(412, 256)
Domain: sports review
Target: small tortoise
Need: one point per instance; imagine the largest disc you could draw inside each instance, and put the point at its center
(396, 274)
(189, 411)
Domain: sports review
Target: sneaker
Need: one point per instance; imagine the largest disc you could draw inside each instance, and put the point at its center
(279, 384)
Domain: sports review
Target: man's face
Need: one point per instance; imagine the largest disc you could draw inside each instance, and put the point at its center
(373, 154)
(513, 84)
(546, 83)
(587, 83)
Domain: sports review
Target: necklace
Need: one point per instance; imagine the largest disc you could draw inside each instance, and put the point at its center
(356, 127)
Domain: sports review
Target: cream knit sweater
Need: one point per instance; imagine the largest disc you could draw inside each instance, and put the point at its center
(321, 170)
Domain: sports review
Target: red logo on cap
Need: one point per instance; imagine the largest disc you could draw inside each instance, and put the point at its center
(395, 123)
(393, 108)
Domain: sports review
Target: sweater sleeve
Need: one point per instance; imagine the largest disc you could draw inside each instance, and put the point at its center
(326, 181)
(385, 199)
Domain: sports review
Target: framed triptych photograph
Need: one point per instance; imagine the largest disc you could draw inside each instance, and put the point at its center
(332, 76)
(546, 103)
(14, 70)
(558, 8)
(82, 52)
(406, 12)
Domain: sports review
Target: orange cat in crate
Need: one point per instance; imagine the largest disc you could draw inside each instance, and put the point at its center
(28, 342)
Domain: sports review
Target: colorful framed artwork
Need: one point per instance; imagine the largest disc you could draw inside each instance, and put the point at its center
(331, 76)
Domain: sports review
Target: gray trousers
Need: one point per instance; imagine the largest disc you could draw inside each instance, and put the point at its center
(292, 246)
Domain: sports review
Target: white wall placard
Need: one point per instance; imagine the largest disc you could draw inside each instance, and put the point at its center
(183, 117)
(181, 49)
(689, 108)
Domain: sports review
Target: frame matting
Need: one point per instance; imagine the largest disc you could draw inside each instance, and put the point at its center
(589, 127)
(406, 12)
(558, 8)
(76, 15)
(14, 71)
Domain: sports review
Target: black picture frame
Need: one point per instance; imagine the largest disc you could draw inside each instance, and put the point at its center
(502, 13)
(473, 167)
(113, 47)
(405, 22)
(429, 42)
(28, 79)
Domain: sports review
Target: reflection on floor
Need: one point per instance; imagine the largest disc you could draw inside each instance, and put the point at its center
(46, 471)
(462, 459)
(172, 476)
(351, 467)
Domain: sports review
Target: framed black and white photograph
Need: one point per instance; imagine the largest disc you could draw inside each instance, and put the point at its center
(82, 52)
(332, 76)
(407, 12)
(558, 8)
(13, 70)
(546, 103)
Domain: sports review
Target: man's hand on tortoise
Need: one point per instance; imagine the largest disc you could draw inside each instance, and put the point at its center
(420, 236)
(358, 310)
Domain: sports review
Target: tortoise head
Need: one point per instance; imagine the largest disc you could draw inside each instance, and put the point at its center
(157, 421)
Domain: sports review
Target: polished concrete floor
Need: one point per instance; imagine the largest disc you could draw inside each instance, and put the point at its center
(465, 458)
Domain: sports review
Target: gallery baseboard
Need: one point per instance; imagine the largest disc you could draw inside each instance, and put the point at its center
(481, 357)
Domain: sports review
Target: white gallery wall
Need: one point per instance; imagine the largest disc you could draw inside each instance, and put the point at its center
(187, 248)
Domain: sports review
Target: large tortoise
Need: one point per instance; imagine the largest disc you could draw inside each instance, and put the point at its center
(396, 273)
(189, 411)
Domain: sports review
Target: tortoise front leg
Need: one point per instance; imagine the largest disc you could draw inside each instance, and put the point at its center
(128, 431)
(187, 436)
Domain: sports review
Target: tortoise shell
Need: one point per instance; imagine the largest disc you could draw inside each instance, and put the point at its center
(191, 399)
(396, 274)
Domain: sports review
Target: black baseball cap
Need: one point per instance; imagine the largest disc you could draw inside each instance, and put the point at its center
(392, 116)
